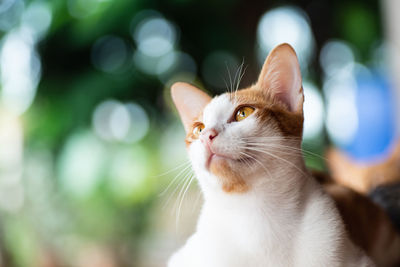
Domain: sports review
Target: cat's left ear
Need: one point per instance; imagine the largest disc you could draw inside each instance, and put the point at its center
(280, 78)
(190, 102)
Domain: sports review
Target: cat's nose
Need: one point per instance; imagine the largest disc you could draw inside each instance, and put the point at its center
(212, 134)
(209, 135)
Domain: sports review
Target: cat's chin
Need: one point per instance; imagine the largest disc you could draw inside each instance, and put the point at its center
(229, 171)
(215, 160)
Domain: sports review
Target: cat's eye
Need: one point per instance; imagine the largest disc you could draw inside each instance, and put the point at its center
(243, 113)
(198, 129)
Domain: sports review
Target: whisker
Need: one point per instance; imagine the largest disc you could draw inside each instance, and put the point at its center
(240, 76)
(187, 173)
(245, 160)
(182, 198)
(253, 158)
(279, 150)
(261, 145)
(237, 75)
(226, 84)
(242, 72)
(182, 186)
(171, 170)
(280, 146)
(279, 158)
(266, 138)
(230, 89)
(176, 177)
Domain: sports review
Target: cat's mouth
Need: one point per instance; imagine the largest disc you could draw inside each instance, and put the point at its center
(216, 158)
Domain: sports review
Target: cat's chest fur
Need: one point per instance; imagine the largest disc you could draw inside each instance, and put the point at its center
(249, 231)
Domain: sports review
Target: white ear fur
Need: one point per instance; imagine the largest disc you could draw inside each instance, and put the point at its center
(190, 102)
(280, 77)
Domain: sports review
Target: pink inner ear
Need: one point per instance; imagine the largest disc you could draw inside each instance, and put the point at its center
(190, 102)
(280, 77)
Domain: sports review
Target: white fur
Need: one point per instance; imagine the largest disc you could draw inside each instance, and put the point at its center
(284, 219)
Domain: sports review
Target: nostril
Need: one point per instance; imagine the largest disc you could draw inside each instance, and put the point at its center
(207, 136)
(212, 135)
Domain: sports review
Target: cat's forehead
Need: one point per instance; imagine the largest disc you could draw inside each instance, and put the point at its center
(218, 110)
(221, 107)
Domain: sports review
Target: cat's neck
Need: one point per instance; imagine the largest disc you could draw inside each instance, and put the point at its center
(284, 184)
(272, 214)
(274, 208)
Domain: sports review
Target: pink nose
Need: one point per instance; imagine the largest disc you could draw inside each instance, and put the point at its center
(208, 135)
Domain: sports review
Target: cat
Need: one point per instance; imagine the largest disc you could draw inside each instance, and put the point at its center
(261, 205)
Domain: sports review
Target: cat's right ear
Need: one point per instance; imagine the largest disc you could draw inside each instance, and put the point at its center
(190, 102)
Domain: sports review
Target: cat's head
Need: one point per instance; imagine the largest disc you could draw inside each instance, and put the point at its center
(239, 135)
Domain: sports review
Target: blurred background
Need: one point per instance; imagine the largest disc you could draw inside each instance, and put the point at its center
(93, 167)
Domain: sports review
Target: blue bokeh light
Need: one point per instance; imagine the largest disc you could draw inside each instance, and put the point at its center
(376, 129)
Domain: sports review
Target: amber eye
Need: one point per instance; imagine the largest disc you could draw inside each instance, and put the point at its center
(243, 113)
(198, 129)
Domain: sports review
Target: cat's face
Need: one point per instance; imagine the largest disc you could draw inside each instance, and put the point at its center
(237, 136)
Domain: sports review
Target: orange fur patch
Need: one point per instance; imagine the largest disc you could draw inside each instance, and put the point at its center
(232, 182)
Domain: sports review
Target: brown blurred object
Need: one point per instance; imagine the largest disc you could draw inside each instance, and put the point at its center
(364, 177)
(96, 256)
(48, 258)
(367, 224)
